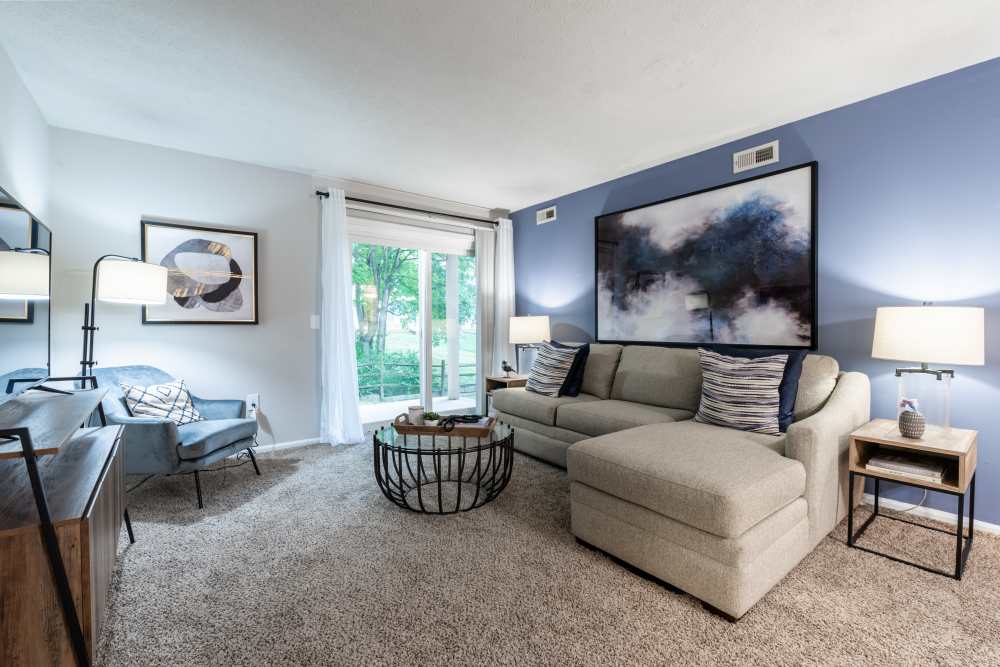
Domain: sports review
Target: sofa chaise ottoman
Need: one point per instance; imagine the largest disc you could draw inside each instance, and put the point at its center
(719, 513)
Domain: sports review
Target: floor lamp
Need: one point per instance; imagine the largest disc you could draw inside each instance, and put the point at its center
(119, 279)
(24, 274)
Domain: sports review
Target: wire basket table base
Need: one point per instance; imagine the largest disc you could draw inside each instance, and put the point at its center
(442, 474)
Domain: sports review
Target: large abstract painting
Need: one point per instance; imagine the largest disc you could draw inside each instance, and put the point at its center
(212, 274)
(734, 264)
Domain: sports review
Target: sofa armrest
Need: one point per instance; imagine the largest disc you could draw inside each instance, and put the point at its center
(820, 443)
(219, 409)
(150, 444)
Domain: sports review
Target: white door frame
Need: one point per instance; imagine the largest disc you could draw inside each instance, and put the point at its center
(425, 321)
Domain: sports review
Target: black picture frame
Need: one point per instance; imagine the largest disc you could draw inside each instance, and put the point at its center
(147, 224)
(814, 253)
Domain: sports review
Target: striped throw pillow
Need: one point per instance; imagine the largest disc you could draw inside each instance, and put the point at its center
(741, 393)
(552, 365)
(171, 401)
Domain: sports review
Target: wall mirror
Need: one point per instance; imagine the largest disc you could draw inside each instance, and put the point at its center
(25, 281)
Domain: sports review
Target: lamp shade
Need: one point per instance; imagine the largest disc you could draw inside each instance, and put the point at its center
(528, 330)
(930, 334)
(24, 276)
(123, 281)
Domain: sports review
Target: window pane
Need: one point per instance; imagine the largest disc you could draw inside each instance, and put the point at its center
(453, 306)
(386, 308)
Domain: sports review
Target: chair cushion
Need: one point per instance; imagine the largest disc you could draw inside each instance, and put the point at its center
(712, 478)
(536, 407)
(202, 438)
(610, 416)
(819, 377)
(599, 371)
(170, 401)
(665, 376)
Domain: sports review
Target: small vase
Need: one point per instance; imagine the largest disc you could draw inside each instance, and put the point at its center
(911, 424)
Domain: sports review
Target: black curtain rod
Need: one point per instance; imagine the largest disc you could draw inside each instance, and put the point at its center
(324, 195)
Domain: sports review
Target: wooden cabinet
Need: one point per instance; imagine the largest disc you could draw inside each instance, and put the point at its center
(85, 486)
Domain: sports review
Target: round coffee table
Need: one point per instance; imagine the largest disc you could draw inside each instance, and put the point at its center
(443, 474)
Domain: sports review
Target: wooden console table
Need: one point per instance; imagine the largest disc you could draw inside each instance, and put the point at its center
(60, 519)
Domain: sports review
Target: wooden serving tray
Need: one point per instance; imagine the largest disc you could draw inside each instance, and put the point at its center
(460, 430)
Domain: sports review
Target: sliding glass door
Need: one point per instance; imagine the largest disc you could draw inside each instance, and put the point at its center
(415, 313)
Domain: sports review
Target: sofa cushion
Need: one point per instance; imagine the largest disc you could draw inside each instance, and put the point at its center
(550, 369)
(536, 407)
(599, 372)
(741, 393)
(789, 387)
(665, 376)
(574, 379)
(709, 477)
(200, 439)
(610, 416)
(819, 377)
(554, 432)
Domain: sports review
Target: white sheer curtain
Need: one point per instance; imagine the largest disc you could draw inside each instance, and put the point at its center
(495, 305)
(504, 295)
(486, 281)
(340, 417)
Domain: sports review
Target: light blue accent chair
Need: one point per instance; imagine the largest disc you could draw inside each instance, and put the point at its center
(158, 446)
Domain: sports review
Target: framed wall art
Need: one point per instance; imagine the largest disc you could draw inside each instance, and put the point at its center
(733, 264)
(212, 275)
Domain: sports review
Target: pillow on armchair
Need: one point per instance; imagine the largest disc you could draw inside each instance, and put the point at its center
(170, 401)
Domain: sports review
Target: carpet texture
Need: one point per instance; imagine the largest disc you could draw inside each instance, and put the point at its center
(310, 565)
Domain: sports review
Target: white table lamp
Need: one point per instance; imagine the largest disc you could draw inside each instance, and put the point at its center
(527, 331)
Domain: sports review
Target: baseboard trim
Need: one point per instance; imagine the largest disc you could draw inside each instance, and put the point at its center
(290, 444)
(949, 518)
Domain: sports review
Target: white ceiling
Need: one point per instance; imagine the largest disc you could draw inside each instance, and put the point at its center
(500, 103)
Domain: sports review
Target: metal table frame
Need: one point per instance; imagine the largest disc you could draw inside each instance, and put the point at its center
(963, 543)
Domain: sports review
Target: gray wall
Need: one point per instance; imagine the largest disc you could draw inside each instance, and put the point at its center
(908, 211)
(102, 187)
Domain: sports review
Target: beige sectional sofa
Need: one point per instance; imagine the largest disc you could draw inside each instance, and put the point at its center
(721, 514)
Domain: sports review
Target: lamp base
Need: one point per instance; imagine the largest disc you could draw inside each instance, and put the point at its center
(932, 390)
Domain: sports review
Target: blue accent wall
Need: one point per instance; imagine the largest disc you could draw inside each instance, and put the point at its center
(909, 211)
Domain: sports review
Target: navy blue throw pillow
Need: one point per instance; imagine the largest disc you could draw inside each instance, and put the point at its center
(789, 386)
(574, 379)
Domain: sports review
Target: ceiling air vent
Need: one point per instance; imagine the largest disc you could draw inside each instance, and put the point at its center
(544, 215)
(755, 157)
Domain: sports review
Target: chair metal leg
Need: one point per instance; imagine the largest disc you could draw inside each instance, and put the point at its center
(253, 460)
(197, 486)
(128, 527)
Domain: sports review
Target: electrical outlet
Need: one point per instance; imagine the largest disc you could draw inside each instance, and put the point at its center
(314, 322)
(253, 405)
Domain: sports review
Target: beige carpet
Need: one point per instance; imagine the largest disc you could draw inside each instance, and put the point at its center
(310, 565)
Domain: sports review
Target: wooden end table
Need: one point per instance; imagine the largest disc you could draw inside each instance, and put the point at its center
(956, 446)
